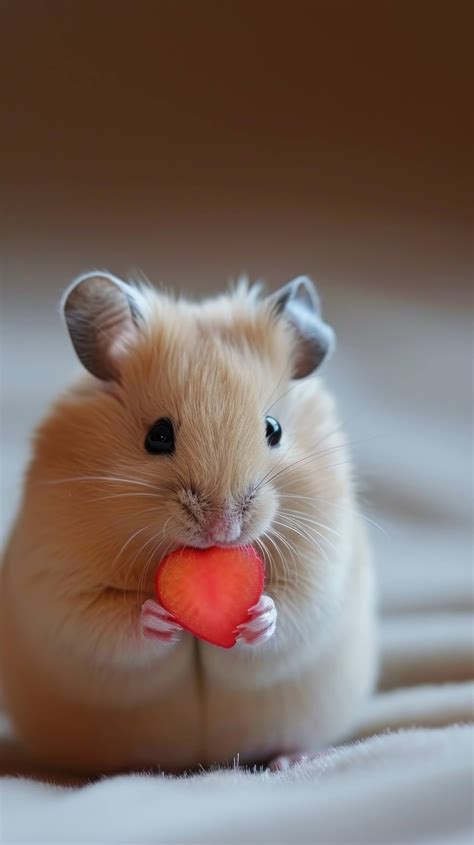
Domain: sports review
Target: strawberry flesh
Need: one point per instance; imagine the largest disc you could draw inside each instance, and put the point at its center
(210, 591)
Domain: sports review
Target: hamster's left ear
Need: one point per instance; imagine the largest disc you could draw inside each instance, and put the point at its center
(102, 317)
(298, 303)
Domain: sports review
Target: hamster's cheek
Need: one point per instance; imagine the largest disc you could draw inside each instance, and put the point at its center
(259, 518)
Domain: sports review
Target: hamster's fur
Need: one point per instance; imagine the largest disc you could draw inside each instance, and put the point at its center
(86, 691)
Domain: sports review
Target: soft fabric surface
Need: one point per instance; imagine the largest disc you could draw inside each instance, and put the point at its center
(405, 773)
(408, 787)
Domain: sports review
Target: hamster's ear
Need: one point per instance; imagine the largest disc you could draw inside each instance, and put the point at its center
(101, 315)
(298, 303)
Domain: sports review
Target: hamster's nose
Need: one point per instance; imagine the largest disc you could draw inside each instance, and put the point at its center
(224, 527)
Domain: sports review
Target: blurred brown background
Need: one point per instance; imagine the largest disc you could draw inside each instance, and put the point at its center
(194, 139)
(197, 139)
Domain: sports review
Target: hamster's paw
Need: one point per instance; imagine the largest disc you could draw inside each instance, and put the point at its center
(158, 624)
(261, 624)
(286, 761)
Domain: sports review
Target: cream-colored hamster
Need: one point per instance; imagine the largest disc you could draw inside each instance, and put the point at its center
(198, 425)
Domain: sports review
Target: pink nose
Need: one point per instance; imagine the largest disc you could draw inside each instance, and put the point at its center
(224, 528)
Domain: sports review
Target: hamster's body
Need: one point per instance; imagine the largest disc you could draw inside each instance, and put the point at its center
(86, 690)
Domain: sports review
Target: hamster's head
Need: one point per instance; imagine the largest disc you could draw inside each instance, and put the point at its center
(196, 424)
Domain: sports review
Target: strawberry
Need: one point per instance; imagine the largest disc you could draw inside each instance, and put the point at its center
(210, 591)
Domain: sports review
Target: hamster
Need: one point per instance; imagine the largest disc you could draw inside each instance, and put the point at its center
(196, 424)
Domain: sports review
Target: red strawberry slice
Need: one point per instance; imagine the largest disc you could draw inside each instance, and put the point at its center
(210, 591)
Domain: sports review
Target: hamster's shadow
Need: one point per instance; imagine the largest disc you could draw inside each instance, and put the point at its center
(15, 762)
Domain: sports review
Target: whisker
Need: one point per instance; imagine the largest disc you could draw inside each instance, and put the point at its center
(307, 518)
(138, 553)
(292, 572)
(123, 495)
(290, 389)
(148, 510)
(277, 386)
(266, 534)
(110, 478)
(270, 539)
(282, 457)
(332, 504)
(302, 532)
(309, 529)
(332, 431)
(294, 554)
(303, 460)
(306, 457)
(129, 540)
(266, 555)
(146, 568)
(345, 445)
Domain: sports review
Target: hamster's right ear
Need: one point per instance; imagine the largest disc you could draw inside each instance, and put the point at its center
(102, 316)
(298, 303)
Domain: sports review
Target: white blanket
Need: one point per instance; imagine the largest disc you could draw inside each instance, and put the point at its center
(405, 773)
(407, 787)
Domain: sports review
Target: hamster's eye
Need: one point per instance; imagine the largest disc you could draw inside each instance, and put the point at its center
(273, 431)
(160, 438)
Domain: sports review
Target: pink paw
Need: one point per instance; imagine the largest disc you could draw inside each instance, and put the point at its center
(286, 761)
(158, 624)
(261, 624)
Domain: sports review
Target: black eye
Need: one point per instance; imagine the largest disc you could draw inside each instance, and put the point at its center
(273, 431)
(160, 438)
